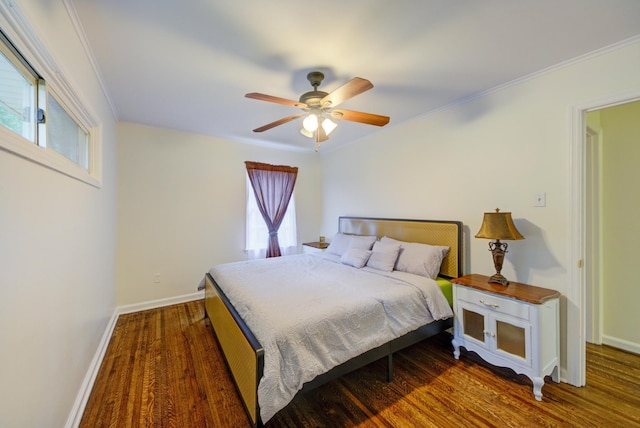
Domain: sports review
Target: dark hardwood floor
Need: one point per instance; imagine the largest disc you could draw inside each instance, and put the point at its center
(163, 368)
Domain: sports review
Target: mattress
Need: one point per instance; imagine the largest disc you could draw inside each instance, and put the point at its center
(311, 313)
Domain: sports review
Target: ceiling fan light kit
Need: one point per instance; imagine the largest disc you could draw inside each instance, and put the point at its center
(328, 125)
(310, 123)
(318, 105)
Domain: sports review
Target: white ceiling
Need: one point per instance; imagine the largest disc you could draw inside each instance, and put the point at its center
(186, 65)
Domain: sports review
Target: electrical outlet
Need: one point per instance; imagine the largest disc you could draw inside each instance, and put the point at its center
(540, 200)
(156, 278)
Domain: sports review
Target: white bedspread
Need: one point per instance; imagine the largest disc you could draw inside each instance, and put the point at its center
(311, 313)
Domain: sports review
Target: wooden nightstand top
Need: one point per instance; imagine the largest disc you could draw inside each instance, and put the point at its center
(515, 290)
(319, 245)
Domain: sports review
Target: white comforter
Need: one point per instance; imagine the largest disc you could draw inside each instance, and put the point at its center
(311, 313)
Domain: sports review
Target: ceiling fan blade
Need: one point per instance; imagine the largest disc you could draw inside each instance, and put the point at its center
(272, 99)
(358, 116)
(353, 87)
(278, 122)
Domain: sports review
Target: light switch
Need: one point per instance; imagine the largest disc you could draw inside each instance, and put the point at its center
(540, 200)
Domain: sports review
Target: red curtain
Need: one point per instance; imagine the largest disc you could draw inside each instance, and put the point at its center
(273, 187)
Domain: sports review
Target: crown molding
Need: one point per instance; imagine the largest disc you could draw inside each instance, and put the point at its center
(536, 74)
(82, 36)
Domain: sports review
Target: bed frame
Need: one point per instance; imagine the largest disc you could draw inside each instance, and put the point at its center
(245, 356)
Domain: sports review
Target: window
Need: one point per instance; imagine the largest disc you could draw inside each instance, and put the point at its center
(36, 121)
(257, 232)
(65, 136)
(17, 94)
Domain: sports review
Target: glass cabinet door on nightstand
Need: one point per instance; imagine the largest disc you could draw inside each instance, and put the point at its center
(511, 339)
(498, 333)
(473, 324)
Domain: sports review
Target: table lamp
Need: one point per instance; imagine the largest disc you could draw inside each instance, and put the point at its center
(498, 226)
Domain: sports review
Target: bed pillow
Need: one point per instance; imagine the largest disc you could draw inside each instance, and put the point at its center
(355, 257)
(342, 242)
(419, 259)
(384, 255)
(339, 244)
(361, 242)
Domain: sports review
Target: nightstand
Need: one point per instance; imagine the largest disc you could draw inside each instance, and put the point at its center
(515, 326)
(314, 247)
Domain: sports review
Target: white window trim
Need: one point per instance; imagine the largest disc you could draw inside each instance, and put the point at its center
(16, 27)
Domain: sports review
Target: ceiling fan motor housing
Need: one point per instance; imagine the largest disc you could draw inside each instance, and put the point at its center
(312, 98)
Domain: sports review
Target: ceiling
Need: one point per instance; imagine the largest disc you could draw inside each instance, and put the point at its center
(186, 65)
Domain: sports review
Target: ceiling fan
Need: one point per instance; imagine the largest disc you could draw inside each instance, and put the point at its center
(318, 107)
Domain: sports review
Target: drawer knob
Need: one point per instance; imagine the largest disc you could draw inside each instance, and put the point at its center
(489, 333)
(493, 305)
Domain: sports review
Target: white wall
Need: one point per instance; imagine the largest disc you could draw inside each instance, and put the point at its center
(57, 249)
(620, 231)
(496, 151)
(181, 207)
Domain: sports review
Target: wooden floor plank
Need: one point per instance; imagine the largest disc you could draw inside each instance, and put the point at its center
(163, 368)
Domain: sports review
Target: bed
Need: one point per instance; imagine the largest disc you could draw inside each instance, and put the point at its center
(378, 318)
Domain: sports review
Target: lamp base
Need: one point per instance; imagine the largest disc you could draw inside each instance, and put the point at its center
(498, 249)
(499, 279)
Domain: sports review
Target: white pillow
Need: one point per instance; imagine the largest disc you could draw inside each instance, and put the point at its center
(419, 259)
(384, 255)
(339, 244)
(361, 242)
(355, 257)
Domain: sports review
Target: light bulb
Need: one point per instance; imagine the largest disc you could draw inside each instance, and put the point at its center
(328, 125)
(310, 122)
(306, 133)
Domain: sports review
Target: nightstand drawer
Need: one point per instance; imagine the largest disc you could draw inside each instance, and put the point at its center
(494, 303)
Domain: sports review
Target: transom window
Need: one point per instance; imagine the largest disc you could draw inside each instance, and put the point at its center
(37, 123)
(17, 94)
(65, 136)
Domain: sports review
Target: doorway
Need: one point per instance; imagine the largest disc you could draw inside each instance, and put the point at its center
(612, 155)
(584, 320)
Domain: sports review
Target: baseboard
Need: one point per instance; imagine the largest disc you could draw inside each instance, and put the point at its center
(621, 344)
(77, 410)
(152, 304)
(87, 384)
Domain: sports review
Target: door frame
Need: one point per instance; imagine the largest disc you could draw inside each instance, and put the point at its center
(593, 228)
(579, 235)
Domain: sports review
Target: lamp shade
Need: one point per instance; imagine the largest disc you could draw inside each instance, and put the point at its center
(310, 123)
(306, 133)
(498, 225)
(328, 125)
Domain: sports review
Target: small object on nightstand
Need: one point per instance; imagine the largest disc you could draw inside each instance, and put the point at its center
(321, 239)
(314, 247)
(498, 226)
(516, 326)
